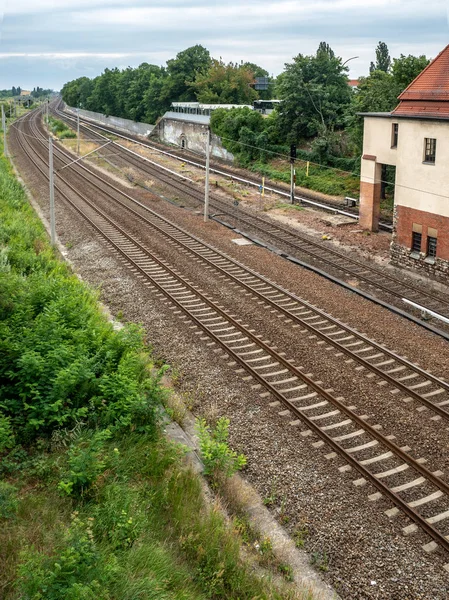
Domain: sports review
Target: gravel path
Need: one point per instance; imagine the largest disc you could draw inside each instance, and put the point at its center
(361, 552)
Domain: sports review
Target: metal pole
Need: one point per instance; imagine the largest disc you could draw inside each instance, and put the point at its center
(5, 146)
(47, 111)
(78, 131)
(206, 191)
(292, 182)
(52, 192)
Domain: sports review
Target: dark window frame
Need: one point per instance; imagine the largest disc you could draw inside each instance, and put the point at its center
(432, 243)
(394, 135)
(430, 150)
(415, 237)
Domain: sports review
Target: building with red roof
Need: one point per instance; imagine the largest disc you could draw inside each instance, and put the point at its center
(414, 138)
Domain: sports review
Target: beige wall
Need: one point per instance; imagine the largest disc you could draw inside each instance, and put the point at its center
(418, 185)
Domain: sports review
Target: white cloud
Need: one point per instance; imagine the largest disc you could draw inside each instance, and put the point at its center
(94, 34)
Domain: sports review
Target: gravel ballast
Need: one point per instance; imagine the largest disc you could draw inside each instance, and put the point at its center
(359, 549)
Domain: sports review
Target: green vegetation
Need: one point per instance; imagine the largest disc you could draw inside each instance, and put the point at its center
(318, 110)
(145, 93)
(60, 129)
(219, 460)
(94, 502)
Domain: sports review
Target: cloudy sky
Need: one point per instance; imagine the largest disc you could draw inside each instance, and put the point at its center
(48, 42)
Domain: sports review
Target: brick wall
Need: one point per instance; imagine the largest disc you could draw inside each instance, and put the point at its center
(405, 217)
(400, 251)
(369, 205)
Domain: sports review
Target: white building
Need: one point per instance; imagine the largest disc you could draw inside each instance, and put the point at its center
(415, 139)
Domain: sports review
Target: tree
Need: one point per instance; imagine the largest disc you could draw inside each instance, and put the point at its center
(383, 60)
(255, 69)
(182, 70)
(314, 92)
(225, 84)
(325, 49)
(406, 68)
(244, 132)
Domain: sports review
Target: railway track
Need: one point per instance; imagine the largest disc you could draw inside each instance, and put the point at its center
(416, 491)
(222, 169)
(321, 256)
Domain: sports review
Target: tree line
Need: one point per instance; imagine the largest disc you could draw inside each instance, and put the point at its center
(318, 110)
(146, 92)
(37, 92)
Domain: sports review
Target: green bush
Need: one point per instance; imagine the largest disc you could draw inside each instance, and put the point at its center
(6, 435)
(86, 460)
(219, 459)
(76, 572)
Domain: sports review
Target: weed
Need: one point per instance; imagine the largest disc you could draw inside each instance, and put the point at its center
(284, 519)
(265, 547)
(175, 407)
(300, 535)
(61, 576)
(244, 529)
(272, 497)
(320, 560)
(219, 459)
(286, 570)
(69, 245)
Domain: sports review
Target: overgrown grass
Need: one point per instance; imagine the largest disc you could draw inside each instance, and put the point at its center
(94, 503)
(320, 179)
(60, 129)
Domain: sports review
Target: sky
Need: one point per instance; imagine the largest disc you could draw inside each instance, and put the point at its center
(49, 42)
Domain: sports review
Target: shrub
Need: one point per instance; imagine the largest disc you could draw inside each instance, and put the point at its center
(76, 572)
(6, 434)
(218, 458)
(86, 460)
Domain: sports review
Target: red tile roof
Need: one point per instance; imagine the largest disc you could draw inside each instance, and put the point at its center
(422, 108)
(428, 94)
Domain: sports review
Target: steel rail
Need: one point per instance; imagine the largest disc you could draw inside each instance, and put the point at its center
(384, 489)
(330, 206)
(251, 221)
(287, 312)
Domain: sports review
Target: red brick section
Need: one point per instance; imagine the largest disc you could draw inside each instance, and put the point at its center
(369, 206)
(404, 227)
(428, 94)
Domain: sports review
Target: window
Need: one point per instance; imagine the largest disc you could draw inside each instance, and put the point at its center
(416, 241)
(394, 135)
(431, 247)
(430, 146)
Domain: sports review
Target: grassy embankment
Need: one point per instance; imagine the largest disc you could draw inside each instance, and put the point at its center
(322, 179)
(94, 502)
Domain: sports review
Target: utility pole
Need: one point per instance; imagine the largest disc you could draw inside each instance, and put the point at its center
(47, 111)
(78, 131)
(52, 191)
(292, 172)
(5, 146)
(206, 191)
